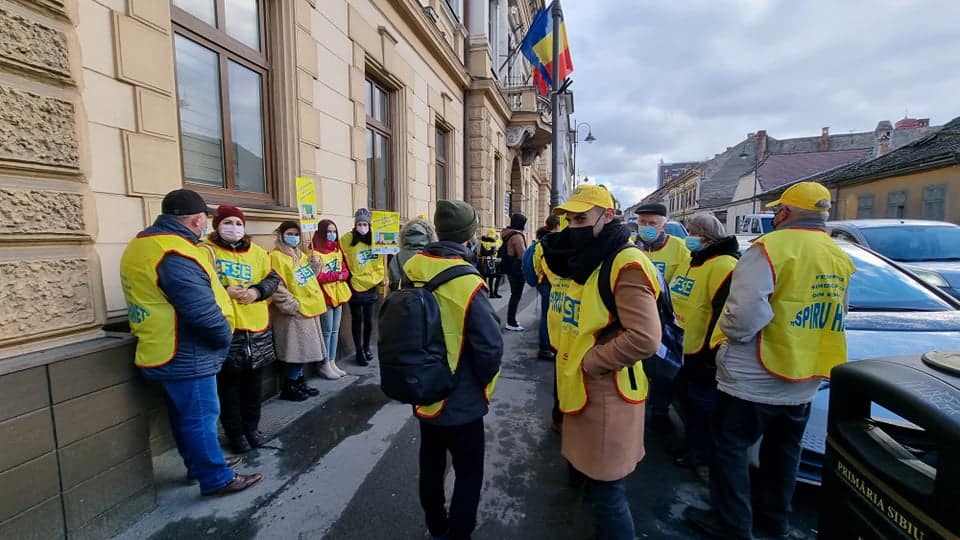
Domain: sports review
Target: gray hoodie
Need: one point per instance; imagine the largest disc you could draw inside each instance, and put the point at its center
(414, 236)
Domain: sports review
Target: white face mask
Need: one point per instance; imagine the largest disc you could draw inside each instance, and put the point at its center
(231, 232)
(363, 228)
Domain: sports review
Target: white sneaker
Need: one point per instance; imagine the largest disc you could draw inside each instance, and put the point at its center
(516, 328)
(336, 368)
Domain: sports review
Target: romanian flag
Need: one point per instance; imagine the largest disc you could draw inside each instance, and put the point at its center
(537, 47)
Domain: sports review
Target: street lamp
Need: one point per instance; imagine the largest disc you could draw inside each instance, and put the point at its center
(756, 176)
(576, 137)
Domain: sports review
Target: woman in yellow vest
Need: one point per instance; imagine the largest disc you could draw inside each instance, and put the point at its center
(699, 290)
(600, 379)
(488, 261)
(296, 309)
(333, 277)
(244, 270)
(367, 274)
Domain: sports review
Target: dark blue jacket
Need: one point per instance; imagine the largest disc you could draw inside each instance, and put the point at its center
(482, 349)
(203, 334)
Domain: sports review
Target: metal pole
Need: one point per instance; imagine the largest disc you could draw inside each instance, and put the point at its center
(756, 177)
(555, 103)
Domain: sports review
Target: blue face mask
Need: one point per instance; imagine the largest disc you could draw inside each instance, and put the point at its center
(331, 237)
(648, 233)
(693, 243)
(291, 240)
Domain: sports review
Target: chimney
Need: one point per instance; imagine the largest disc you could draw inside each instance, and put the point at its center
(881, 138)
(761, 144)
(825, 139)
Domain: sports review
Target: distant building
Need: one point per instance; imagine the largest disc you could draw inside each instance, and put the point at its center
(920, 180)
(668, 172)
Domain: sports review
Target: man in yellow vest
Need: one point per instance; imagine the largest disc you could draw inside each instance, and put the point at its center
(667, 253)
(784, 326)
(183, 320)
(474, 347)
(600, 381)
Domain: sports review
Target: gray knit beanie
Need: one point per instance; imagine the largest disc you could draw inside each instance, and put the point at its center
(362, 216)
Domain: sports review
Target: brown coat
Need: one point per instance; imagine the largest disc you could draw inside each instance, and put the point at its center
(516, 243)
(297, 339)
(605, 441)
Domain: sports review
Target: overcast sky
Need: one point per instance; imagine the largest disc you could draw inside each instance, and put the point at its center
(682, 80)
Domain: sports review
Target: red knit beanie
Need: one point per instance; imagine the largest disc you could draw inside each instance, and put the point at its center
(224, 211)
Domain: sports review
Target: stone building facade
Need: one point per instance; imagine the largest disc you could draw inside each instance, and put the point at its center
(106, 105)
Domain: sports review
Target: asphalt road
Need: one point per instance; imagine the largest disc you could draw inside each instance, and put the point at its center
(347, 470)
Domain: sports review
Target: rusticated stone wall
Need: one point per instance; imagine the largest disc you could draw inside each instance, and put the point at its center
(50, 281)
(37, 129)
(27, 44)
(42, 295)
(35, 211)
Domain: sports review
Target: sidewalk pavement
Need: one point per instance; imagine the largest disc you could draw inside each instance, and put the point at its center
(360, 426)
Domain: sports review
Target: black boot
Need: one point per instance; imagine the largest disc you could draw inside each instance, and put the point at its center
(291, 391)
(308, 390)
(362, 359)
(368, 355)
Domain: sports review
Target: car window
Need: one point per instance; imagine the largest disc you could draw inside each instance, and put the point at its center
(878, 286)
(910, 243)
(755, 226)
(767, 224)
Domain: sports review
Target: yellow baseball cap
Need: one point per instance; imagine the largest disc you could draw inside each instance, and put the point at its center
(804, 195)
(584, 198)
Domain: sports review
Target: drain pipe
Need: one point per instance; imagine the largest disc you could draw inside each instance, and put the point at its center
(466, 106)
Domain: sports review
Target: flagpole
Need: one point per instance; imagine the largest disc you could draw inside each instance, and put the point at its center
(555, 152)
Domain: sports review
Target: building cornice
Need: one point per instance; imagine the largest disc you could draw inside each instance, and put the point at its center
(491, 89)
(426, 30)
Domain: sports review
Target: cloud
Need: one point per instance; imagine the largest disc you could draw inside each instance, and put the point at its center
(681, 81)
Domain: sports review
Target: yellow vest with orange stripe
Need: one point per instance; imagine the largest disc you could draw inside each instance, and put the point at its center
(153, 319)
(670, 255)
(575, 321)
(301, 281)
(244, 268)
(692, 291)
(367, 269)
(806, 338)
(453, 299)
(336, 292)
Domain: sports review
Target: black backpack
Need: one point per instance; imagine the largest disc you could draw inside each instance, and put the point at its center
(411, 349)
(669, 356)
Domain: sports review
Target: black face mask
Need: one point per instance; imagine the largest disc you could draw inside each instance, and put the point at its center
(582, 237)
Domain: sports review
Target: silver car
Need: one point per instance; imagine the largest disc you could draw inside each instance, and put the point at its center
(930, 249)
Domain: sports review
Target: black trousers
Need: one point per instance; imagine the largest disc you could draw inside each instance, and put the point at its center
(516, 291)
(361, 324)
(239, 393)
(493, 283)
(466, 445)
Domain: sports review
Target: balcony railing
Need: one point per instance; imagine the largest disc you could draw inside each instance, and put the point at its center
(527, 99)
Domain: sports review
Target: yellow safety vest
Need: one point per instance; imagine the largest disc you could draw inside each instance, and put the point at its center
(538, 266)
(301, 281)
(337, 292)
(153, 319)
(670, 255)
(576, 319)
(244, 268)
(453, 299)
(805, 339)
(692, 292)
(366, 267)
(490, 247)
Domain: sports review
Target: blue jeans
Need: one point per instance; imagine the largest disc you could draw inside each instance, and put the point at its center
(609, 502)
(330, 322)
(193, 408)
(544, 290)
(294, 371)
(737, 426)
